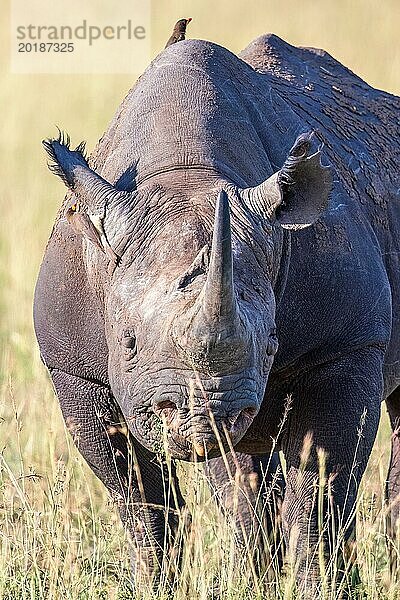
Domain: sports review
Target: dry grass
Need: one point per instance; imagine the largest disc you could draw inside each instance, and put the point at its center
(60, 537)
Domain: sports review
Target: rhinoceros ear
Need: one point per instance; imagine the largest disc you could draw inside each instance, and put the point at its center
(94, 195)
(298, 194)
(71, 166)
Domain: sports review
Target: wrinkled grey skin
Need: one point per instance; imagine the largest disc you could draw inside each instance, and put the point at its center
(182, 347)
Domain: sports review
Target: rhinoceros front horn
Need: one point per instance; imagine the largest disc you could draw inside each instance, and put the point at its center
(212, 332)
(218, 302)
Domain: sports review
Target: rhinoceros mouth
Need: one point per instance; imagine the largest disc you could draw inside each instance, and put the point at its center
(197, 419)
(211, 441)
(197, 439)
(181, 448)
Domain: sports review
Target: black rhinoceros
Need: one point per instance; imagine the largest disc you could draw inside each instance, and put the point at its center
(231, 236)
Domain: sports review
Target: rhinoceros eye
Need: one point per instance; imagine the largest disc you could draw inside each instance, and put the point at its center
(128, 342)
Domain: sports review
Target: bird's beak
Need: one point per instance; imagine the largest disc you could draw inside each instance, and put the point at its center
(188, 20)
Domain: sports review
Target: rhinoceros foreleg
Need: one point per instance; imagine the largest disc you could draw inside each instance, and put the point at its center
(144, 490)
(393, 480)
(330, 433)
(249, 490)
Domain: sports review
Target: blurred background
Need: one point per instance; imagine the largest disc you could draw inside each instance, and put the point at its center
(362, 34)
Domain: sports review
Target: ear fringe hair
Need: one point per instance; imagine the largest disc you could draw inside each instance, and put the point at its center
(63, 138)
(81, 149)
(53, 164)
(63, 159)
(297, 154)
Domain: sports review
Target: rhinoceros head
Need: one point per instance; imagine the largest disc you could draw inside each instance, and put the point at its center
(190, 307)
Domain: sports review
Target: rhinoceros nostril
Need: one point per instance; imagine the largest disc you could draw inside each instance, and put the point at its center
(242, 418)
(166, 409)
(163, 404)
(249, 411)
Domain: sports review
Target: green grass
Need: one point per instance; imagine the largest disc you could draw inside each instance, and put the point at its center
(60, 535)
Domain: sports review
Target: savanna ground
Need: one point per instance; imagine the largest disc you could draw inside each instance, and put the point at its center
(60, 535)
